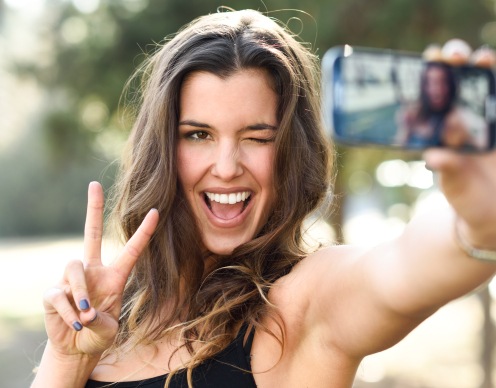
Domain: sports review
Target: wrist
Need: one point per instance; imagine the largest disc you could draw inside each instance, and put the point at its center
(59, 369)
(480, 246)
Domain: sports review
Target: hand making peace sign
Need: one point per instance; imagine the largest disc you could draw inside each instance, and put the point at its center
(82, 311)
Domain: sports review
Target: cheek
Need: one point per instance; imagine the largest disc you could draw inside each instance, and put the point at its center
(264, 171)
(185, 171)
(182, 166)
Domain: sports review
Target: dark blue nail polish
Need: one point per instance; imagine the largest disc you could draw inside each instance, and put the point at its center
(77, 326)
(83, 304)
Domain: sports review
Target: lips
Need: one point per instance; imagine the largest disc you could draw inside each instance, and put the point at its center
(227, 206)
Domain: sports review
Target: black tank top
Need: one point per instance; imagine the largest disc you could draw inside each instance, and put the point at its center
(230, 368)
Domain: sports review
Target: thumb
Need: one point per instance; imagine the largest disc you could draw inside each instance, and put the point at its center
(99, 322)
(90, 318)
(446, 160)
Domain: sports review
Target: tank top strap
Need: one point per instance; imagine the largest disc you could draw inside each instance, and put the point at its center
(249, 342)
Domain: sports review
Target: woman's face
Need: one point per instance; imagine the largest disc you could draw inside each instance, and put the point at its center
(436, 88)
(225, 154)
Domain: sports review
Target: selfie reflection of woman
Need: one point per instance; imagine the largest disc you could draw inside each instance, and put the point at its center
(436, 120)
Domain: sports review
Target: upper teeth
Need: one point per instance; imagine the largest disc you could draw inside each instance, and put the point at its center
(231, 198)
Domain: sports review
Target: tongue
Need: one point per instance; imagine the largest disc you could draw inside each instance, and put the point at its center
(225, 210)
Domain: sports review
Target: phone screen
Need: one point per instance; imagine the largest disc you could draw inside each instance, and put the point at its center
(396, 99)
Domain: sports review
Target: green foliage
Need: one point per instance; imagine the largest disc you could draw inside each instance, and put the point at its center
(94, 54)
(43, 193)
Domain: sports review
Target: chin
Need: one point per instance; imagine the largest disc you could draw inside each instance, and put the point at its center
(224, 248)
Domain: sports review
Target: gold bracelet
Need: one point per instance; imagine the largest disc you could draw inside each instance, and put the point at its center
(476, 253)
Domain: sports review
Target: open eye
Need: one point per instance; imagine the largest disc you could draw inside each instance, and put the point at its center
(198, 135)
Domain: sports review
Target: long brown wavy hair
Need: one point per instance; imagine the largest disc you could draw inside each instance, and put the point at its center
(211, 306)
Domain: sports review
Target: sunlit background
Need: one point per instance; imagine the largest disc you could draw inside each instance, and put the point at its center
(63, 65)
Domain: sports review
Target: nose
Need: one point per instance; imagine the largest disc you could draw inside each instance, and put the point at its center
(227, 164)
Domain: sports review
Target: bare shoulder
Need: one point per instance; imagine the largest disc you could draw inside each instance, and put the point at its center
(309, 356)
(329, 271)
(328, 262)
(330, 301)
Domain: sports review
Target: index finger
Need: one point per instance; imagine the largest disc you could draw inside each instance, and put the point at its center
(136, 244)
(93, 228)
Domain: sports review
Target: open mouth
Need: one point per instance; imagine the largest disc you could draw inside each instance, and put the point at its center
(227, 206)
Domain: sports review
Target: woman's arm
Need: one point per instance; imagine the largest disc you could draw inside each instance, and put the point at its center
(373, 297)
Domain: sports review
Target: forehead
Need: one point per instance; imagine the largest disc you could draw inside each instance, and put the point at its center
(244, 93)
(436, 72)
(251, 77)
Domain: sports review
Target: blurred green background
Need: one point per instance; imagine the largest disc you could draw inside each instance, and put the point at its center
(63, 65)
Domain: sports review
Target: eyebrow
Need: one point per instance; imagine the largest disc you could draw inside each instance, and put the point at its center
(261, 126)
(194, 124)
(255, 127)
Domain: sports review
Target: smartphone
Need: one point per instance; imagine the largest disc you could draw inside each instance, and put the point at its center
(397, 99)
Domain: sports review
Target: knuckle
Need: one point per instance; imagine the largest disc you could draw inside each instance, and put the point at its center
(74, 265)
(93, 232)
(132, 250)
(145, 232)
(67, 313)
(96, 204)
(79, 290)
(54, 295)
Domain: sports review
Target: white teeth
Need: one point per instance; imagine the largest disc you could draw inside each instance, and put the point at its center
(231, 198)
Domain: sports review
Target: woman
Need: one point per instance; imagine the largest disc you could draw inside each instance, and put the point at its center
(228, 147)
(436, 120)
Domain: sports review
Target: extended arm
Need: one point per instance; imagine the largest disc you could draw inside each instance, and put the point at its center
(375, 296)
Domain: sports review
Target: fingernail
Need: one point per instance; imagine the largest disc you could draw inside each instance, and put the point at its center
(77, 326)
(84, 304)
(94, 318)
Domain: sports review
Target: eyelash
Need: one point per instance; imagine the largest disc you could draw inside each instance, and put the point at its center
(261, 141)
(194, 136)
